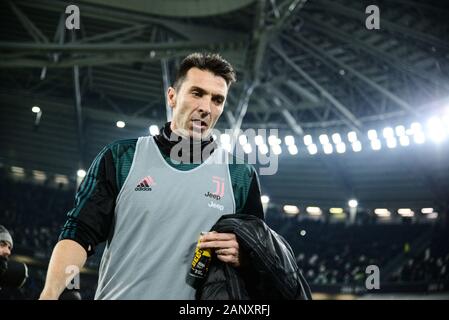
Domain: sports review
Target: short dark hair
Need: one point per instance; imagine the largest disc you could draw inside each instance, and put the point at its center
(212, 62)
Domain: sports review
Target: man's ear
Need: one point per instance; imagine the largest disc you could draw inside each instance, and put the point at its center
(171, 96)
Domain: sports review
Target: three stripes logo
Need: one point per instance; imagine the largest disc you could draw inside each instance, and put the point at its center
(145, 184)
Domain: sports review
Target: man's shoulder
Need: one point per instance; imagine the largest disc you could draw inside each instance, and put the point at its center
(240, 167)
(119, 147)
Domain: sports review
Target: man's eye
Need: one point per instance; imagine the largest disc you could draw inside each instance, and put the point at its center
(196, 94)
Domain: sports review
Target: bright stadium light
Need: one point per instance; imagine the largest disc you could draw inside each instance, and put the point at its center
(356, 146)
(81, 173)
(154, 130)
(324, 139)
(276, 149)
(375, 144)
(436, 130)
(341, 147)
(243, 140)
(247, 148)
(312, 148)
(289, 140)
(388, 133)
(258, 140)
(391, 142)
(336, 138)
(265, 199)
(308, 140)
(327, 148)
(352, 136)
(36, 109)
(404, 141)
(400, 131)
(263, 149)
(273, 140)
(293, 149)
(227, 147)
(426, 210)
(406, 212)
(419, 138)
(372, 134)
(336, 210)
(353, 203)
(120, 124)
(291, 209)
(225, 138)
(314, 211)
(382, 213)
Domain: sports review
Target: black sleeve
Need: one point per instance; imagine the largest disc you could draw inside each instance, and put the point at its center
(90, 221)
(253, 203)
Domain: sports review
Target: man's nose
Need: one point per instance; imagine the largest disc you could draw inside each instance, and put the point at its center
(205, 107)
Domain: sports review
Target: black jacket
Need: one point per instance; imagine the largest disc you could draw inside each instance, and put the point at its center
(269, 270)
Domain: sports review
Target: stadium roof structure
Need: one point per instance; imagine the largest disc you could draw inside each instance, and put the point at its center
(304, 67)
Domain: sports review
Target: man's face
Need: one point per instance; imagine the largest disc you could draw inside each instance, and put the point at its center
(5, 249)
(197, 104)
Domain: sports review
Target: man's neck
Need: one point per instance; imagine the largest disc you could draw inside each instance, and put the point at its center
(168, 138)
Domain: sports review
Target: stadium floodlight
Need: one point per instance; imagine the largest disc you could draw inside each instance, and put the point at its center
(400, 131)
(376, 145)
(276, 149)
(388, 133)
(436, 130)
(352, 136)
(419, 138)
(243, 139)
(336, 138)
(120, 124)
(312, 148)
(154, 130)
(406, 212)
(273, 140)
(263, 149)
(353, 203)
(404, 141)
(265, 199)
(81, 173)
(372, 134)
(289, 140)
(324, 139)
(247, 148)
(426, 210)
(291, 209)
(308, 140)
(36, 109)
(432, 215)
(336, 210)
(391, 142)
(327, 148)
(341, 147)
(314, 211)
(356, 146)
(293, 149)
(302, 233)
(383, 213)
(225, 138)
(258, 140)
(227, 147)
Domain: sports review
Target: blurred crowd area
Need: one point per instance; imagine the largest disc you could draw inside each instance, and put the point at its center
(329, 254)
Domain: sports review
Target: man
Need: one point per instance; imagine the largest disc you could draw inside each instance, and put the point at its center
(5, 248)
(150, 207)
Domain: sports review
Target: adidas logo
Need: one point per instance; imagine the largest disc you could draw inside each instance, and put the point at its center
(145, 184)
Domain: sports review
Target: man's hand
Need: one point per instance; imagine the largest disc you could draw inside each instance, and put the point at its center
(225, 245)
